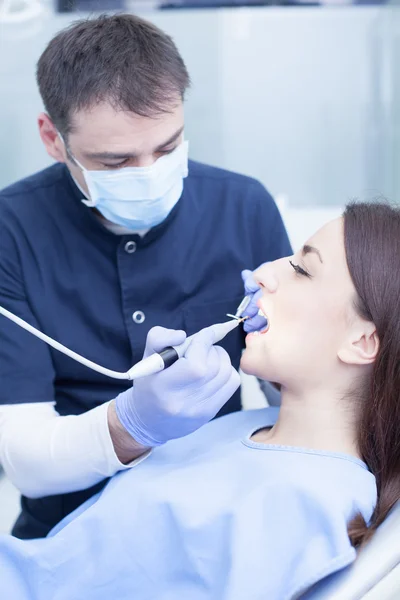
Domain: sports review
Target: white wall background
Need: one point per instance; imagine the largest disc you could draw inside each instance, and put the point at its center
(300, 98)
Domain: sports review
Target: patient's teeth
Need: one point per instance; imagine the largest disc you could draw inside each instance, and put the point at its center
(261, 314)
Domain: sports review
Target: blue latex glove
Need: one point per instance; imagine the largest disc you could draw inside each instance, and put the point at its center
(252, 288)
(183, 397)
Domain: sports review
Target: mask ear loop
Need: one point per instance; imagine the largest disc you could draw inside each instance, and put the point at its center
(89, 203)
(69, 153)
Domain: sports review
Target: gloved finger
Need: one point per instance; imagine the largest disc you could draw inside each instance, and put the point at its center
(223, 394)
(211, 385)
(194, 372)
(255, 324)
(159, 338)
(223, 372)
(256, 321)
(197, 356)
(250, 284)
(228, 389)
(252, 308)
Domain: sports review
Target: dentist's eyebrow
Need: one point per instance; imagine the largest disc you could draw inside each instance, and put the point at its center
(311, 250)
(126, 155)
(171, 140)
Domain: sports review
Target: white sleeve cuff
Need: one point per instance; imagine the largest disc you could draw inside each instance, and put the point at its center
(44, 454)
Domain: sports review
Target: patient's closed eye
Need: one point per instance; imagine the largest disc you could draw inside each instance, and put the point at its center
(299, 270)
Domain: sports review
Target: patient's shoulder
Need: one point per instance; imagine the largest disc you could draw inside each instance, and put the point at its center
(335, 485)
(310, 522)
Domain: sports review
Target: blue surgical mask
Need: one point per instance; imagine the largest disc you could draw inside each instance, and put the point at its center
(139, 197)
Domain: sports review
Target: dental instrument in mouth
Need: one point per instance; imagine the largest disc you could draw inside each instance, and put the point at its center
(242, 307)
(264, 329)
(147, 366)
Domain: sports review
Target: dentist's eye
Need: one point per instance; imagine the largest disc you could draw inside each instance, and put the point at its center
(165, 151)
(299, 270)
(116, 166)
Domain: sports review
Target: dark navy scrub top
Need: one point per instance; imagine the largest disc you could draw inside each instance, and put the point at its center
(99, 293)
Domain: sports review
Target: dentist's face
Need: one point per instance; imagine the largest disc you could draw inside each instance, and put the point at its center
(106, 139)
(308, 300)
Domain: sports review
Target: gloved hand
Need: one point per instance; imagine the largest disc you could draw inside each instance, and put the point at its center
(183, 397)
(252, 288)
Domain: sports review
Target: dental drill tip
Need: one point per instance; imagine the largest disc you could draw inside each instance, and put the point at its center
(238, 319)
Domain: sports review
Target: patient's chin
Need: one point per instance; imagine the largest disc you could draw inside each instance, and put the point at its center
(251, 365)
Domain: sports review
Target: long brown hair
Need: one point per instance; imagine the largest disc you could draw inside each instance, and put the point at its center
(372, 244)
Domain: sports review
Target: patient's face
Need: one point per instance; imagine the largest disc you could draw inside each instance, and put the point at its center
(309, 306)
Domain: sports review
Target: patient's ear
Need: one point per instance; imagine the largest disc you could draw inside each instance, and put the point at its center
(362, 345)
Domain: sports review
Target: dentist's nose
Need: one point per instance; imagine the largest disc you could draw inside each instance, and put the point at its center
(267, 278)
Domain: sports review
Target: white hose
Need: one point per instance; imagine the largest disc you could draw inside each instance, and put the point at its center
(147, 366)
(63, 349)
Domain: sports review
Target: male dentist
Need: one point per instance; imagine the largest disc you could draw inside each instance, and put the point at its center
(121, 234)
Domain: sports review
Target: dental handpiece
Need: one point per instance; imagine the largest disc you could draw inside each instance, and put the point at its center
(161, 360)
(147, 366)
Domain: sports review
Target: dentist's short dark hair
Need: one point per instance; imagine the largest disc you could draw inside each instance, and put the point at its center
(119, 59)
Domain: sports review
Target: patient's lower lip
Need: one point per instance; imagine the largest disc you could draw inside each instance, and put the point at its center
(252, 335)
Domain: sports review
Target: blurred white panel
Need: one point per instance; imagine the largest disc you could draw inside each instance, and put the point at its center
(252, 396)
(298, 94)
(302, 223)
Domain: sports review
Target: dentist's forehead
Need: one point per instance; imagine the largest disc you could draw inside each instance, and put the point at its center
(104, 123)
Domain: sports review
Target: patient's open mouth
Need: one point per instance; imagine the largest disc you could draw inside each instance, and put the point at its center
(262, 314)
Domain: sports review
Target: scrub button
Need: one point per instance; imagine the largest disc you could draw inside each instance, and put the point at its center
(138, 317)
(130, 247)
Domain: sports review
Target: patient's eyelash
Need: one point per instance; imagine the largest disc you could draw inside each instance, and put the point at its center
(300, 271)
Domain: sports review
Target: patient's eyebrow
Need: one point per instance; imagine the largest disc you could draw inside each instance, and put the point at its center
(311, 250)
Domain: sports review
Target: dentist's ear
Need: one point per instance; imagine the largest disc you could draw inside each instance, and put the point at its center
(362, 346)
(48, 133)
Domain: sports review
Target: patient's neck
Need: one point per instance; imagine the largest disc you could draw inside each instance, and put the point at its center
(317, 420)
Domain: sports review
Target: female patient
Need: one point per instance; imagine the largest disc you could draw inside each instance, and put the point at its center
(258, 505)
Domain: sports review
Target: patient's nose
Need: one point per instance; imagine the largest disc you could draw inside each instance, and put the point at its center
(267, 277)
